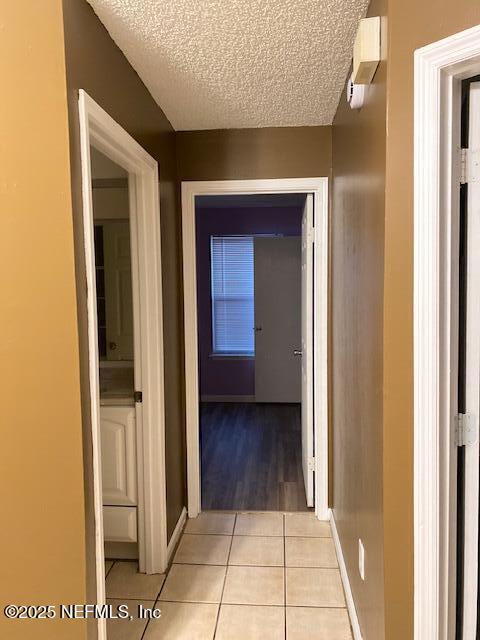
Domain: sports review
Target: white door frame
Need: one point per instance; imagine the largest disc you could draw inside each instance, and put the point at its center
(439, 69)
(472, 378)
(319, 188)
(97, 128)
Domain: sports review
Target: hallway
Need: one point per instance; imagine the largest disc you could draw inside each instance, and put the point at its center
(249, 576)
(251, 457)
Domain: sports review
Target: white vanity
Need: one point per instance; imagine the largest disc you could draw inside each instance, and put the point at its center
(119, 458)
(119, 473)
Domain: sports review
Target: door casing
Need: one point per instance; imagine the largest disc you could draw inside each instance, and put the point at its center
(439, 69)
(472, 381)
(319, 188)
(308, 374)
(98, 129)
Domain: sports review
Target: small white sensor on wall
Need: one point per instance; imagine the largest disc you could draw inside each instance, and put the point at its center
(355, 94)
(366, 50)
(361, 559)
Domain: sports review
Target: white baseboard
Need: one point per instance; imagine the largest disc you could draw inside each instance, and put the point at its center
(227, 399)
(357, 634)
(177, 532)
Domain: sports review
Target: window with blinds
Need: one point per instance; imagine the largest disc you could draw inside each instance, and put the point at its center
(232, 295)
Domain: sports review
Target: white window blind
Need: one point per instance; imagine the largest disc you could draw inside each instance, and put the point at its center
(232, 295)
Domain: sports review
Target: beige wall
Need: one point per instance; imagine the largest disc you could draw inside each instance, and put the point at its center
(371, 334)
(110, 203)
(96, 64)
(235, 154)
(412, 24)
(43, 530)
(357, 244)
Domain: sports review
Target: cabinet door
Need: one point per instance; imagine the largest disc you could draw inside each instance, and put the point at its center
(120, 524)
(119, 466)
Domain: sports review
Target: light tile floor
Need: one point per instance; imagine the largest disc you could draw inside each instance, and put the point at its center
(248, 576)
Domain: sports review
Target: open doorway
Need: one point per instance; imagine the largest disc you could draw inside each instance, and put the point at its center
(115, 330)
(125, 335)
(255, 326)
(249, 294)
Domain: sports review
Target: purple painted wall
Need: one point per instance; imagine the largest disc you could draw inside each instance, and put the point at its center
(231, 376)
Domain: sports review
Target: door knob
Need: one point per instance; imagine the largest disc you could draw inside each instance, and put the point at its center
(257, 328)
(112, 346)
(297, 352)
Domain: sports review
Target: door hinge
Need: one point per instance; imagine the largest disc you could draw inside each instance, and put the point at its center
(469, 166)
(466, 429)
(137, 396)
(311, 464)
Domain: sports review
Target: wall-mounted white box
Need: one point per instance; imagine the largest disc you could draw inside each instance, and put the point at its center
(366, 50)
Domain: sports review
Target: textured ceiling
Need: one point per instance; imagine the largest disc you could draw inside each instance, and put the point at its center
(221, 64)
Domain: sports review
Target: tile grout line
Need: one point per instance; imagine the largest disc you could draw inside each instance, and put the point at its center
(258, 535)
(169, 569)
(146, 626)
(158, 596)
(232, 536)
(107, 573)
(149, 599)
(253, 566)
(224, 579)
(253, 604)
(155, 603)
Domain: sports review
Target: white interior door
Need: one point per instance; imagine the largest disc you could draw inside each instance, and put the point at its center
(307, 349)
(472, 376)
(277, 269)
(118, 290)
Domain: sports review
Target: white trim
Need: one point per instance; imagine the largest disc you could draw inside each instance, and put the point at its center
(99, 129)
(472, 380)
(308, 358)
(352, 612)
(177, 532)
(319, 187)
(439, 67)
(93, 362)
(227, 398)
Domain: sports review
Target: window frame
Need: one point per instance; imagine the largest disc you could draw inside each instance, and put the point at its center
(229, 355)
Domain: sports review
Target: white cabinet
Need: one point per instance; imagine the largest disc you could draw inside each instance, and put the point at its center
(119, 473)
(119, 465)
(120, 524)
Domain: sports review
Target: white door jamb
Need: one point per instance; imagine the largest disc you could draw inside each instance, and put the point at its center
(319, 188)
(97, 128)
(439, 69)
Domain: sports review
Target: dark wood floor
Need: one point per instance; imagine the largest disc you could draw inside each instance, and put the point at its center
(251, 457)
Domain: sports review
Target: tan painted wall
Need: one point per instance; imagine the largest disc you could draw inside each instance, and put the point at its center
(110, 203)
(412, 24)
(234, 154)
(96, 64)
(43, 530)
(357, 244)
